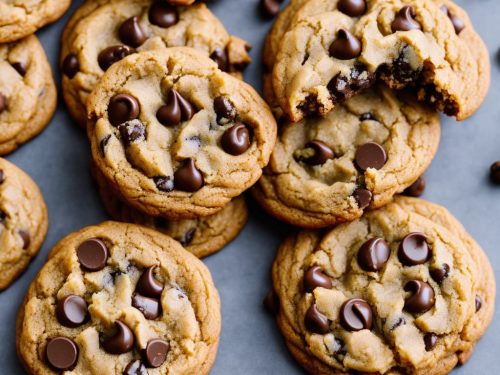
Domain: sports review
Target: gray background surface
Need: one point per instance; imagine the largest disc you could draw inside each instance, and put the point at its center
(58, 160)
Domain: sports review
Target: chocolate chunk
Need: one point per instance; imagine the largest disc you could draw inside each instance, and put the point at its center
(104, 143)
(123, 108)
(131, 33)
(224, 110)
(414, 249)
(149, 307)
(155, 353)
(20, 67)
(417, 188)
(122, 341)
(70, 65)
(373, 254)
(188, 178)
(316, 278)
(422, 298)
(61, 353)
(219, 55)
(3, 103)
(370, 155)
(440, 274)
(110, 55)
(405, 20)
(271, 303)
(92, 254)
(430, 341)
(363, 197)
(135, 367)
(367, 116)
(25, 236)
(72, 311)
(147, 285)
(353, 8)
(132, 132)
(188, 237)
(176, 110)
(322, 153)
(458, 23)
(316, 322)
(346, 46)
(494, 171)
(270, 8)
(236, 140)
(479, 303)
(164, 183)
(162, 14)
(356, 314)
(401, 71)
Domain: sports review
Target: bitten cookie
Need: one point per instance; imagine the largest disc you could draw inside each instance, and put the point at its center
(119, 299)
(28, 95)
(329, 170)
(102, 32)
(402, 290)
(23, 222)
(175, 135)
(200, 236)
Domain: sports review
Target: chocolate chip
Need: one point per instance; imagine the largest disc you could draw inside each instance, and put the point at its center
(61, 353)
(2, 176)
(164, 183)
(316, 322)
(370, 155)
(270, 8)
(92, 254)
(110, 55)
(20, 67)
(373, 254)
(367, 116)
(440, 274)
(346, 46)
(414, 249)
(236, 140)
(132, 132)
(155, 353)
(219, 55)
(430, 341)
(162, 14)
(356, 314)
(104, 143)
(25, 236)
(131, 33)
(316, 278)
(123, 108)
(271, 303)
(188, 237)
(494, 172)
(135, 367)
(405, 20)
(70, 65)
(458, 23)
(322, 153)
(188, 178)
(422, 297)
(147, 285)
(353, 8)
(122, 341)
(176, 110)
(3, 102)
(417, 188)
(149, 307)
(479, 303)
(363, 197)
(72, 311)
(224, 110)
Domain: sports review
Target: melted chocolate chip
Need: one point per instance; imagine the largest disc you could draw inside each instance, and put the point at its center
(147, 285)
(72, 311)
(149, 307)
(322, 153)
(164, 183)
(316, 278)
(162, 14)
(270, 8)
(370, 155)
(131, 33)
(224, 110)
(236, 140)
(346, 46)
(70, 65)
(188, 178)
(176, 110)
(123, 108)
(3, 103)
(155, 353)
(188, 237)
(25, 236)
(135, 367)
(422, 298)
(494, 171)
(363, 197)
(132, 132)
(104, 143)
(353, 8)
(61, 353)
(356, 314)
(20, 67)
(479, 303)
(373, 254)
(405, 20)
(122, 341)
(316, 322)
(271, 303)
(92, 254)
(219, 55)
(458, 23)
(414, 249)
(417, 188)
(430, 341)
(440, 274)
(110, 55)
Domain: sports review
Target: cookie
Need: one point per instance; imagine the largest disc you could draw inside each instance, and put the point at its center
(28, 96)
(23, 222)
(402, 290)
(200, 236)
(119, 299)
(176, 136)
(330, 170)
(19, 19)
(103, 32)
(329, 56)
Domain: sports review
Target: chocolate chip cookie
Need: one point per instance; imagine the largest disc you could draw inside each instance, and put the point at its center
(23, 222)
(402, 290)
(103, 32)
(176, 136)
(328, 170)
(201, 236)
(119, 299)
(28, 95)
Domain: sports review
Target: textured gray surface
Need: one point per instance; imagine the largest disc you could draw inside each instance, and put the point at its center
(250, 342)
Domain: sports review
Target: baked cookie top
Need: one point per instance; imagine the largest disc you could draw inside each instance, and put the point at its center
(116, 299)
(28, 95)
(103, 32)
(23, 221)
(175, 135)
(328, 170)
(401, 290)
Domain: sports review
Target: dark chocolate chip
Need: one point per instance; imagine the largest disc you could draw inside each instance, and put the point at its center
(405, 20)
(479, 303)
(61, 353)
(224, 110)
(370, 155)
(322, 153)
(271, 303)
(367, 116)
(270, 8)
(346, 46)
(135, 367)
(149, 307)
(316, 322)
(164, 183)
(188, 178)
(132, 132)
(20, 67)
(92, 254)
(356, 314)
(316, 278)
(72, 311)
(430, 341)
(494, 172)
(123, 108)
(363, 197)
(236, 140)
(176, 110)
(110, 55)
(122, 341)
(414, 249)
(458, 23)
(422, 297)
(219, 55)
(155, 353)
(70, 65)
(417, 188)
(3, 102)
(188, 237)
(373, 254)
(104, 143)
(353, 8)
(25, 236)
(162, 14)
(440, 274)
(131, 33)
(147, 285)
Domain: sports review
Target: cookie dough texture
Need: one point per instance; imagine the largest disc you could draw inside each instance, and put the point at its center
(190, 318)
(395, 343)
(131, 169)
(20, 18)
(23, 222)
(95, 26)
(28, 92)
(317, 196)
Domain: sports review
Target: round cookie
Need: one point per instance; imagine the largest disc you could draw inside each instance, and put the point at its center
(18, 19)
(119, 299)
(200, 236)
(176, 136)
(401, 290)
(102, 32)
(28, 95)
(329, 170)
(23, 222)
